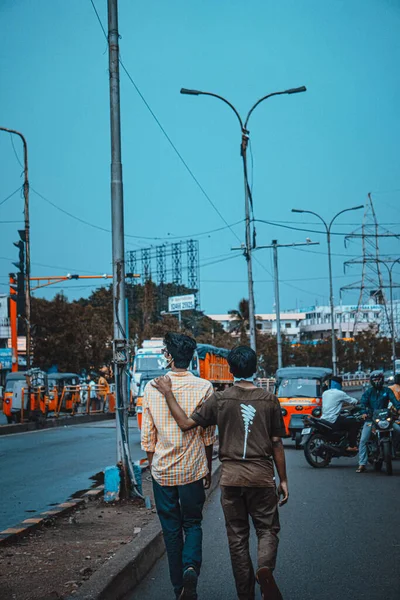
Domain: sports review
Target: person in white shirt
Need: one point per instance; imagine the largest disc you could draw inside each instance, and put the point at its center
(333, 401)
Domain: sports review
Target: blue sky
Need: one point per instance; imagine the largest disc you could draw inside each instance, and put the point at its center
(323, 150)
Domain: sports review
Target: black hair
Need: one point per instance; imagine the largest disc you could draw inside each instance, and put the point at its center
(397, 378)
(242, 362)
(181, 347)
(337, 378)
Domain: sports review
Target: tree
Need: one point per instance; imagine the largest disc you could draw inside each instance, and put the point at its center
(240, 322)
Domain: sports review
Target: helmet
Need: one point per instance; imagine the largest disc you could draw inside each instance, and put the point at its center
(377, 378)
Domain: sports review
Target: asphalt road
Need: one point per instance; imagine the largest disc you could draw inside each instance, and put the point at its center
(340, 539)
(42, 468)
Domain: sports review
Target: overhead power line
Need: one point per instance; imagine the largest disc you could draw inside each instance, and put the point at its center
(163, 130)
(10, 196)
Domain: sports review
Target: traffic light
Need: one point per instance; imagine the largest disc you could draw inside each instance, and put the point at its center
(17, 280)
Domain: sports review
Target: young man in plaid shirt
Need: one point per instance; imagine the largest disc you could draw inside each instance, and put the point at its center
(180, 464)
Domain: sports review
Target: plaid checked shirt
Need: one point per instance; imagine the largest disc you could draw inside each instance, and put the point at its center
(179, 457)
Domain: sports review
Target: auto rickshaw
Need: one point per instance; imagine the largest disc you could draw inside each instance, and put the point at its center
(299, 390)
(15, 394)
(64, 393)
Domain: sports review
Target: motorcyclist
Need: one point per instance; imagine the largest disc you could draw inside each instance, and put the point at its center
(396, 386)
(333, 400)
(376, 397)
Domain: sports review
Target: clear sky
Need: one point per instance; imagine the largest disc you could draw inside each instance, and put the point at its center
(323, 150)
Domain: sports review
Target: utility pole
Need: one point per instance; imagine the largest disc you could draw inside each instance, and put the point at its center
(120, 345)
(249, 246)
(274, 245)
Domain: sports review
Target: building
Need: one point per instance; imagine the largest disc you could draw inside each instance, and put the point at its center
(314, 322)
(266, 323)
(348, 320)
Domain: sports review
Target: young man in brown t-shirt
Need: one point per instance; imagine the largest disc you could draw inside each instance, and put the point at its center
(250, 429)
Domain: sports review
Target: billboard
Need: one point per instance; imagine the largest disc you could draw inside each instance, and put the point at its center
(5, 358)
(179, 303)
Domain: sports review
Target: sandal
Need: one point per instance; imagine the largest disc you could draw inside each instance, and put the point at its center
(361, 469)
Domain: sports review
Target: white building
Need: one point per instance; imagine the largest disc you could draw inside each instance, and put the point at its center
(347, 320)
(266, 323)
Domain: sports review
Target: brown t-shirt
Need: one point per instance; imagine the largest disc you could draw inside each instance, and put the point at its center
(247, 419)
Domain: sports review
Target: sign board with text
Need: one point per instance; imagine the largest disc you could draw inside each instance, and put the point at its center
(179, 303)
(5, 358)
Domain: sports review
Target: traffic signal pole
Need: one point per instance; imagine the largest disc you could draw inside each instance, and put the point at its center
(13, 326)
(27, 270)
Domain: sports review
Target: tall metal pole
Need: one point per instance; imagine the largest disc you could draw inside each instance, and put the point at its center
(27, 248)
(120, 346)
(275, 247)
(334, 355)
(248, 251)
(328, 237)
(277, 304)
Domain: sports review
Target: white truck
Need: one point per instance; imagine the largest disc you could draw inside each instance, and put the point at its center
(150, 357)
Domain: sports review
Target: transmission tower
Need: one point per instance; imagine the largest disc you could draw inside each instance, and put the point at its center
(372, 285)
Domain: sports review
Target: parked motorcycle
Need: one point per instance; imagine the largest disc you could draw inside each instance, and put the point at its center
(380, 446)
(322, 443)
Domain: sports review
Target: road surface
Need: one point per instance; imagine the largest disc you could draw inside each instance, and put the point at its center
(340, 539)
(41, 468)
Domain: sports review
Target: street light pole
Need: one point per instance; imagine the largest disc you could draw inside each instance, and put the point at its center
(27, 248)
(331, 299)
(247, 250)
(275, 247)
(120, 345)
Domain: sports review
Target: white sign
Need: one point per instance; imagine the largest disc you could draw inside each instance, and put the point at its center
(178, 303)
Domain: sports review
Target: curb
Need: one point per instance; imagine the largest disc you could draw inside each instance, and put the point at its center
(120, 575)
(12, 534)
(54, 422)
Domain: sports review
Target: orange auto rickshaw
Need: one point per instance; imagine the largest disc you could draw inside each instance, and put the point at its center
(15, 401)
(299, 390)
(64, 393)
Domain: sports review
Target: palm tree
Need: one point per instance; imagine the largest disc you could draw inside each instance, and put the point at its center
(240, 322)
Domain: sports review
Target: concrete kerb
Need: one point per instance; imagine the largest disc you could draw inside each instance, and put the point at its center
(12, 534)
(54, 422)
(130, 565)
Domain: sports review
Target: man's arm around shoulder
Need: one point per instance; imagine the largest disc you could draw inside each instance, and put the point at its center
(164, 386)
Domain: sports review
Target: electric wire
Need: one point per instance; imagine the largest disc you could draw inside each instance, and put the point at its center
(8, 198)
(173, 146)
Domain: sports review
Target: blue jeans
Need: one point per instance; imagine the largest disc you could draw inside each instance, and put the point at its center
(365, 435)
(362, 450)
(180, 510)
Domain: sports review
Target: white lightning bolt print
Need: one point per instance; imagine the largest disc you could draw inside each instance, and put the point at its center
(248, 413)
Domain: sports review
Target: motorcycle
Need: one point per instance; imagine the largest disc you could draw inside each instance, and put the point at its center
(322, 443)
(380, 446)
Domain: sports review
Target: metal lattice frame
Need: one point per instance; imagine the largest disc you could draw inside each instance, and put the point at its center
(176, 262)
(372, 282)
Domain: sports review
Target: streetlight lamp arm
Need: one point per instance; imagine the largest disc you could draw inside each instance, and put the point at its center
(199, 93)
(343, 211)
(290, 91)
(310, 212)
